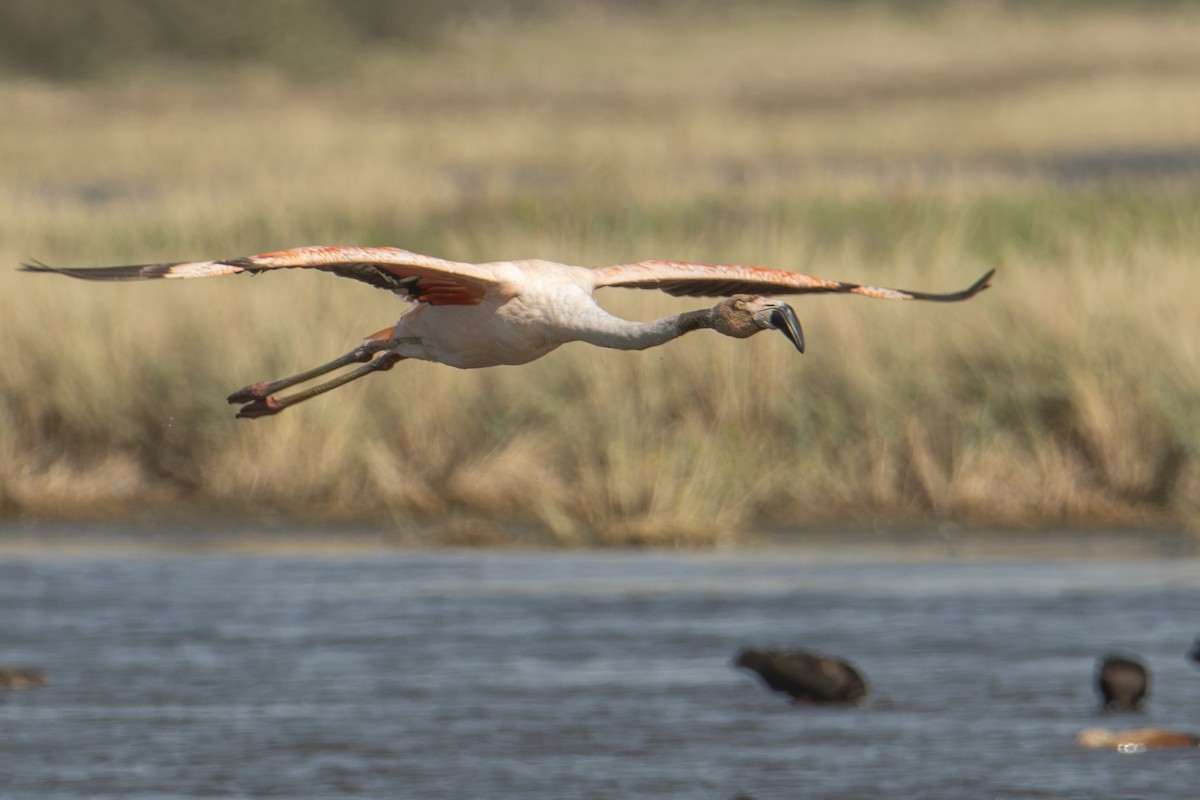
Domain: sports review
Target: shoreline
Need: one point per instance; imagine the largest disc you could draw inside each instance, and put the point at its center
(907, 543)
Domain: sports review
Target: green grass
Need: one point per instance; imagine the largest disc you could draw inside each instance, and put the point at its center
(895, 150)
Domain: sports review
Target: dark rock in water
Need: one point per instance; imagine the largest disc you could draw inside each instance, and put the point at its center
(1194, 653)
(1121, 682)
(807, 677)
(17, 678)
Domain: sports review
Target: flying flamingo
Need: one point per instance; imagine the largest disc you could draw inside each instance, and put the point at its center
(511, 312)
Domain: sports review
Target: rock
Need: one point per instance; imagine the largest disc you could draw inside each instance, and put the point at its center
(808, 677)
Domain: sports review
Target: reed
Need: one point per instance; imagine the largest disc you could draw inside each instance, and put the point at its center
(855, 145)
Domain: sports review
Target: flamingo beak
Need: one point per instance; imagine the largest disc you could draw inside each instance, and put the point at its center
(782, 317)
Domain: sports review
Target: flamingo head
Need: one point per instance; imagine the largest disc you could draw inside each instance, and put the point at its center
(744, 315)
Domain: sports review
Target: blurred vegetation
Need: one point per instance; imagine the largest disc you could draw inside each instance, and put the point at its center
(912, 150)
(67, 39)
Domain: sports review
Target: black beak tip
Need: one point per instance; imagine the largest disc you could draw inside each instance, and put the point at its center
(786, 321)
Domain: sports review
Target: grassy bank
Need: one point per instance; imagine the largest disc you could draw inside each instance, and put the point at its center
(909, 151)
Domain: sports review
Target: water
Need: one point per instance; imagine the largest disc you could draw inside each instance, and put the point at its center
(530, 676)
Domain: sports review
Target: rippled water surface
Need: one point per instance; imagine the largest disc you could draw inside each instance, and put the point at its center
(580, 676)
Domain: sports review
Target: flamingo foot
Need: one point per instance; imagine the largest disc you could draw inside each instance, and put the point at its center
(247, 394)
(259, 407)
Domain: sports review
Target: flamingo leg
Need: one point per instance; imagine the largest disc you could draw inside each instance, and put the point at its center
(268, 404)
(257, 391)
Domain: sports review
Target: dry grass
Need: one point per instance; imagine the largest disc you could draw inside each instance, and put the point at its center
(858, 145)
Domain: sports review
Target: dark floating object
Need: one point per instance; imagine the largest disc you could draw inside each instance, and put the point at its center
(1122, 682)
(17, 678)
(808, 677)
(1194, 653)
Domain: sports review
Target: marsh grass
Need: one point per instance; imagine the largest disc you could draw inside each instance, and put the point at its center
(854, 145)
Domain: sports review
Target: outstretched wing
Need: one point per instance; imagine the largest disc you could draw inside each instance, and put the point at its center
(411, 275)
(682, 279)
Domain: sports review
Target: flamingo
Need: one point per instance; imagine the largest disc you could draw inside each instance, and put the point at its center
(511, 312)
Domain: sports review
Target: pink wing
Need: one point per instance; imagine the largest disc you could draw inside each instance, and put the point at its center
(682, 279)
(411, 275)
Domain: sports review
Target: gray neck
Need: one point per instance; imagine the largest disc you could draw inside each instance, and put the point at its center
(605, 330)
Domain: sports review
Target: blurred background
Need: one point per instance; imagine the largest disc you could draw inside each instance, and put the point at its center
(980, 499)
(913, 144)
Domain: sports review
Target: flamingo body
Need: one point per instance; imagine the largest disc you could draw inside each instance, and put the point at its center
(529, 311)
(513, 312)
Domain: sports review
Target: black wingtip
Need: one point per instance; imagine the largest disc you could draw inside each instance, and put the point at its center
(984, 282)
(131, 273)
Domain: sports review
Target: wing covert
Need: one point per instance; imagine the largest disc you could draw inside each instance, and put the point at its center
(411, 275)
(684, 279)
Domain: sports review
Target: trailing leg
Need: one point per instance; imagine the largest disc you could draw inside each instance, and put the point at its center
(257, 391)
(269, 404)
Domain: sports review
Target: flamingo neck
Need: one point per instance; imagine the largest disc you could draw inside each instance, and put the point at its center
(622, 334)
